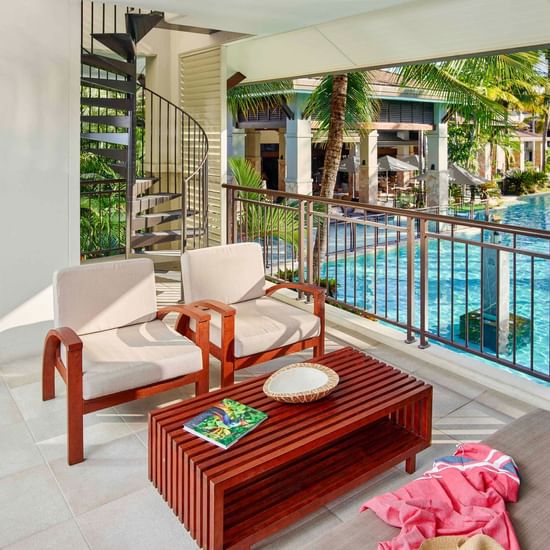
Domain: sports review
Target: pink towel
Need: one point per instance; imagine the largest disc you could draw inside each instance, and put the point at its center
(463, 494)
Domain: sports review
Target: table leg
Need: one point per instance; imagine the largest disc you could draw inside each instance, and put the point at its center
(410, 464)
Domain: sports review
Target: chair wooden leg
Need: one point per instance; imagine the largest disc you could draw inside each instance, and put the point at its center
(48, 373)
(203, 384)
(75, 409)
(75, 432)
(227, 373)
(319, 349)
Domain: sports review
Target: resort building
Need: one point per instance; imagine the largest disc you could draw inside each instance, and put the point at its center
(200, 350)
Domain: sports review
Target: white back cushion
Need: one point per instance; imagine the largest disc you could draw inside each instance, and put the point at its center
(231, 273)
(106, 295)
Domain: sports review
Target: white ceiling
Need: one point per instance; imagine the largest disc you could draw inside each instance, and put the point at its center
(262, 17)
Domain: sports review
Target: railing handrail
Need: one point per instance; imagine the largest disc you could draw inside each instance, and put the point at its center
(183, 112)
(437, 281)
(489, 226)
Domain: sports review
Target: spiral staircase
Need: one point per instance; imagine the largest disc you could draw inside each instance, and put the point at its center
(157, 153)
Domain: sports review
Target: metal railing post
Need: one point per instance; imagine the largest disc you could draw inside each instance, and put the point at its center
(301, 235)
(410, 280)
(230, 214)
(309, 237)
(423, 285)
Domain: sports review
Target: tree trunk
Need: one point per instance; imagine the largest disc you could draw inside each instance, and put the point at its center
(333, 155)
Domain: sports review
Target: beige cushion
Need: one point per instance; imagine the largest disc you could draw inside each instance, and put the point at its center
(231, 273)
(135, 356)
(265, 324)
(106, 295)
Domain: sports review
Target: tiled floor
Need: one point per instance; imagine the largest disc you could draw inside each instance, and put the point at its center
(107, 502)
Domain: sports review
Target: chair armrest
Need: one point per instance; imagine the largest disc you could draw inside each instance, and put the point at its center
(219, 307)
(316, 290)
(66, 336)
(70, 372)
(188, 310)
(318, 293)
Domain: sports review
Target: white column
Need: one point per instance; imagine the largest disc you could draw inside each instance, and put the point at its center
(437, 174)
(521, 155)
(235, 146)
(298, 157)
(236, 143)
(368, 168)
(253, 151)
(496, 298)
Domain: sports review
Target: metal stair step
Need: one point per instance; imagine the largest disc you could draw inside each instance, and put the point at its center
(115, 154)
(120, 169)
(120, 138)
(139, 24)
(151, 238)
(124, 86)
(121, 121)
(120, 43)
(120, 104)
(108, 64)
(145, 202)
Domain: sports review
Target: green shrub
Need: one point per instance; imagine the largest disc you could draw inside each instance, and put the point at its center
(519, 182)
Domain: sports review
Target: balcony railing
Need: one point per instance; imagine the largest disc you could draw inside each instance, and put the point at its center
(478, 287)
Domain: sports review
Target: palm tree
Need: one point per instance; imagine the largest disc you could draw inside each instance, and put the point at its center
(478, 90)
(258, 219)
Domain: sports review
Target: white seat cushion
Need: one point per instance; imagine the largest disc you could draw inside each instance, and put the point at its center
(265, 324)
(135, 356)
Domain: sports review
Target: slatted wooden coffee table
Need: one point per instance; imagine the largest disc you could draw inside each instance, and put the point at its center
(300, 458)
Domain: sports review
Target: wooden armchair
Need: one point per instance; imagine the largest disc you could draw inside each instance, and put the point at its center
(111, 344)
(248, 326)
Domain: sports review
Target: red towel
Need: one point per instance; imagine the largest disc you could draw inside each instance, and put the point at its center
(463, 494)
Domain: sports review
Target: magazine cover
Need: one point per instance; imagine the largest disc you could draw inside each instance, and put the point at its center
(225, 423)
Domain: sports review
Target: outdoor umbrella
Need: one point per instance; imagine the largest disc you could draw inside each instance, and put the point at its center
(391, 164)
(463, 177)
(414, 160)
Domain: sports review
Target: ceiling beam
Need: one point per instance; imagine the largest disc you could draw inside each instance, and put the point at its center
(418, 31)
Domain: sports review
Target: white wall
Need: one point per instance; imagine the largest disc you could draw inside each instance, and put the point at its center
(39, 152)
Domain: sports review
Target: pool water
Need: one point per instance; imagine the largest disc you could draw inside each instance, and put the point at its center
(364, 280)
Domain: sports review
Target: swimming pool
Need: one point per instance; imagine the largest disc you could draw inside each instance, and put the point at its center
(376, 282)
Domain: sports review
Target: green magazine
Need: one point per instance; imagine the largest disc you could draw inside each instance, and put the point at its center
(225, 423)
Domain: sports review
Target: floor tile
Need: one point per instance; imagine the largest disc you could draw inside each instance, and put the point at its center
(47, 420)
(140, 520)
(447, 379)
(472, 422)
(446, 401)
(504, 404)
(395, 358)
(301, 532)
(30, 501)
(98, 432)
(22, 371)
(110, 471)
(63, 536)
(9, 412)
(17, 449)
(135, 413)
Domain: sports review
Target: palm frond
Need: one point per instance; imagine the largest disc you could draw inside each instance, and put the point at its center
(250, 98)
(361, 106)
(259, 218)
